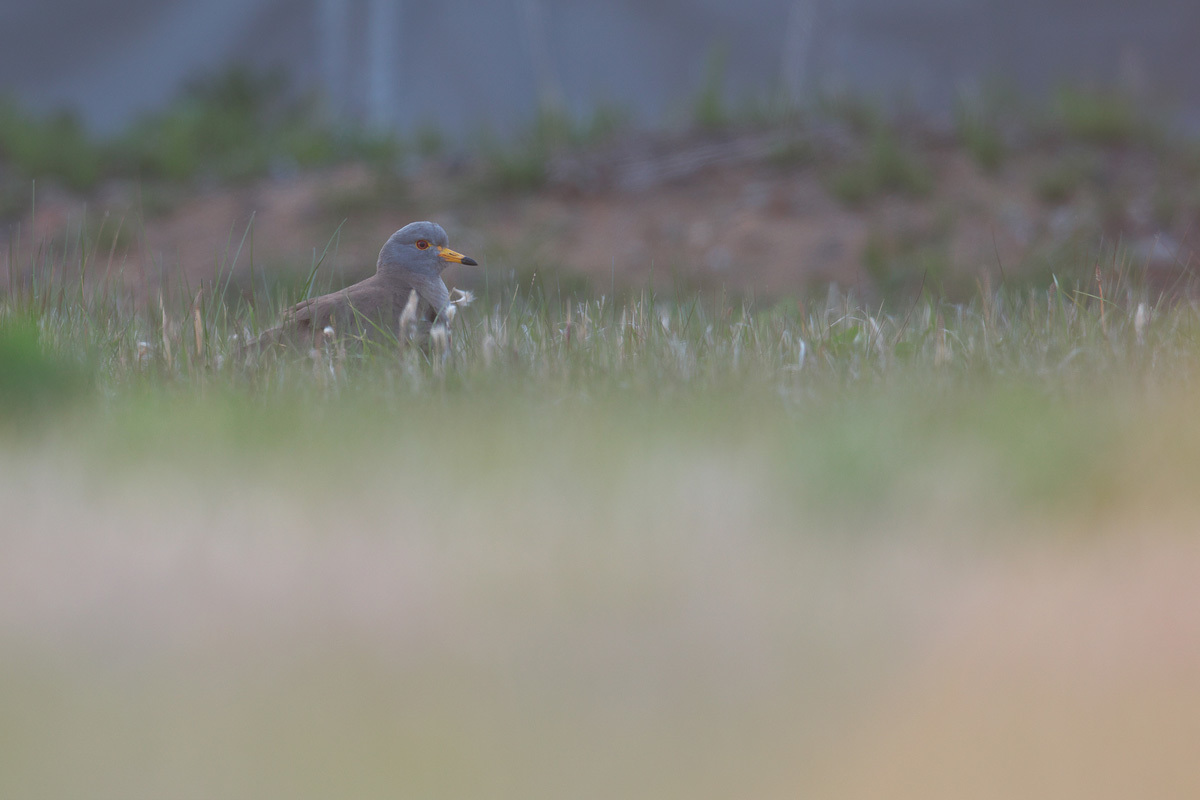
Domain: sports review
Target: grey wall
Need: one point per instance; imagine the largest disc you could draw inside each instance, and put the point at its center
(462, 64)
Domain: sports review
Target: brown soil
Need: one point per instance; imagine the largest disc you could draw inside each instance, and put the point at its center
(713, 215)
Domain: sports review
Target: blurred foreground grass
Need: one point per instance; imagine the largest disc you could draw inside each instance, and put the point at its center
(642, 547)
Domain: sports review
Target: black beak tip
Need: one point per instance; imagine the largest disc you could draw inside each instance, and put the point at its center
(470, 262)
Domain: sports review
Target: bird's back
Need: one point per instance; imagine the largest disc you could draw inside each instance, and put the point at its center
(369, 309)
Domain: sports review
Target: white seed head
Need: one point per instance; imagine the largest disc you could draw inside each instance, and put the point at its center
(408, 317)
(328, 333)
(449, 312)
(489, 350)
(463, 299)
(1140, 318)
(439, 335)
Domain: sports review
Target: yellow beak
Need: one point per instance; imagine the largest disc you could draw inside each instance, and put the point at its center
(446, 254)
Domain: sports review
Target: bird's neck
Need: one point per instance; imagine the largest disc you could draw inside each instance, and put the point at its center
(430, 287)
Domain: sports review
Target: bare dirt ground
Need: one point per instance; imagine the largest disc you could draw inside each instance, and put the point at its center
(725, 216)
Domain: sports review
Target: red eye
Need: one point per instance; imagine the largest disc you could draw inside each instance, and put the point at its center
(422, 244)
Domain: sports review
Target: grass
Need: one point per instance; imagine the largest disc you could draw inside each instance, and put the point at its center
(32, 378)
(697, 360)
(792, 152)
(522, 164)
(862, 115)
(239, 125)
(1106, 118)
(56, 147)
(709, 110)
(1066, 174)
(980, 134)
(898, 265)
(231, 126)
(887, 167)
(592, 532)
(383, 190)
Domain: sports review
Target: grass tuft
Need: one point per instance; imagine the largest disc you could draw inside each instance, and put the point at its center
(982, 138)
(887, 167)
(1104, 118)
(33, 377)
(55, 147)
(709, 110)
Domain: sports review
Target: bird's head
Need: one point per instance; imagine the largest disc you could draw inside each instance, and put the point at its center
(422, 248)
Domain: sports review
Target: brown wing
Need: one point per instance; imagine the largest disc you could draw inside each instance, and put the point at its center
(302, 322)
(361, 308)
(376, 301)
(308, 315)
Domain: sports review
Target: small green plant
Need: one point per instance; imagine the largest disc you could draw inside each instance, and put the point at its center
(708, 109)
(430, 142)
(239, 125)
(219, 125)
(897, 169)
(55, 147)
(15, 197)
(1065, 176)
(606, 121)
(381, 151)
(110, 232)
(979, 133)
(233, 126)
(862, 116)
(888, 167)
(770, 110)
(32, 377)
(1057, 184)
(898, 265)
(792, 152)
(852, 185)
(522, 164)
(1103, 118)
(519, 167)
(385, 189)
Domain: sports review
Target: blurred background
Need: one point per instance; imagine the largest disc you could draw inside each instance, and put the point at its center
(762, 147)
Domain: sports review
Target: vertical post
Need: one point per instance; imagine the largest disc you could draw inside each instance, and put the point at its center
(797, 42)
(331, 54)
(548, 91)
(838, 35)
(383, 43)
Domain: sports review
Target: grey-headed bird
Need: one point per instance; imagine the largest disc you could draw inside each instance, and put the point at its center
(411, 260)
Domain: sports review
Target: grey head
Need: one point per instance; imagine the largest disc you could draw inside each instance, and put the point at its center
(419, 249)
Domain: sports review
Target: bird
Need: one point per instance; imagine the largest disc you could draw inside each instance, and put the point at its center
(409, 268)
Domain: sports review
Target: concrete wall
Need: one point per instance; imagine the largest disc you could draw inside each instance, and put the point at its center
(462, 64)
